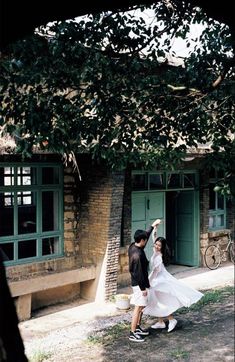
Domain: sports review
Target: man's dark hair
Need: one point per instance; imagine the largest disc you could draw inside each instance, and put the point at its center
(139, 235)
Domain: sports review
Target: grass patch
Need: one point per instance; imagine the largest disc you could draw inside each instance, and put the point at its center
(109, 334)
(117, 331)
(40, 356)
(210, 297)
(179, 354)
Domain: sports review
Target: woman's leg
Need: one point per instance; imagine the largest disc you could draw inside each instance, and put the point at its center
(160, 324)
(172, 322)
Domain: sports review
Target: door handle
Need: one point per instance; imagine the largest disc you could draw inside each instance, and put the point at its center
(148, 202)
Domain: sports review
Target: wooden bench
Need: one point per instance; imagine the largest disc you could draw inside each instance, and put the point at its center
(23, 289)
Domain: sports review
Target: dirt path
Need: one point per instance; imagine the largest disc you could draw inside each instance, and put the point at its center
(202, 335)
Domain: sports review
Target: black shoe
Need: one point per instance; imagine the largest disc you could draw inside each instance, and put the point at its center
(141, 331)
(135, 337)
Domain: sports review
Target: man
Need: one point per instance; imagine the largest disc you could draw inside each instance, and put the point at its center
(138, 268)
(11, 344)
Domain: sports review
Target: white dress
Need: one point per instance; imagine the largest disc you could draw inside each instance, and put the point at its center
(166, 293)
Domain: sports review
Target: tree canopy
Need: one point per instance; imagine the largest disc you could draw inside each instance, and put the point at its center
(110, 85)
(20, 18)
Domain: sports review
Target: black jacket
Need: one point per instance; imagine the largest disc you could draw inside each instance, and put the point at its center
(138, 265)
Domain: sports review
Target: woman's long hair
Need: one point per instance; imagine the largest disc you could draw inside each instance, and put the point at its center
(164, 250)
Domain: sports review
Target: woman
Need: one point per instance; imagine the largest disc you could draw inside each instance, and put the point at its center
(167, 294)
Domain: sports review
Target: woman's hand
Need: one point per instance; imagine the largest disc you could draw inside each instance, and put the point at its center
(156, 223)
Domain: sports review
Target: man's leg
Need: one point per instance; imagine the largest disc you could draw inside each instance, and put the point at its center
(140, 316)
(139, 330)
(136, 317)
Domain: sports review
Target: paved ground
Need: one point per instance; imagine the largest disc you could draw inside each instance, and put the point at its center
(63, 332)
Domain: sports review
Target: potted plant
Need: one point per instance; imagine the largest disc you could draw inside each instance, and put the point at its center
(122, 301)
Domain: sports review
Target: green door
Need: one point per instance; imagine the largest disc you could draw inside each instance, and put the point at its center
(147, 207)
(186, 241)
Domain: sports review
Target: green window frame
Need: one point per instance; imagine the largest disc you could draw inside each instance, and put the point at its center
(217, 203)
(31, 211)
(162, 180)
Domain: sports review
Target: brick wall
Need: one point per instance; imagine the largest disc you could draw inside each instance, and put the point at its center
(219, 236)
(101, 201)
(203, 213)
(123, 278)
(71, 213)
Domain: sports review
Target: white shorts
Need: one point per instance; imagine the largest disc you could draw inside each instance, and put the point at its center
(137, 297)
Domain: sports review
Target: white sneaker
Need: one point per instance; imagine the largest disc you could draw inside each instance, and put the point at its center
(172, 324)
(159, 325)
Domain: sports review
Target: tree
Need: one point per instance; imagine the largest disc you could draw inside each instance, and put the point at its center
(104, 85)
(19, 19)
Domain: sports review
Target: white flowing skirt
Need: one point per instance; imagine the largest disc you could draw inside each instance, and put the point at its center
(167, 294)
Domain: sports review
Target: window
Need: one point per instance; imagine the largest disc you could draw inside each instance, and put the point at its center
(147, 181)
(139, 181)
(156, 181)
(217, 204)
(31, 218)
(173, 180)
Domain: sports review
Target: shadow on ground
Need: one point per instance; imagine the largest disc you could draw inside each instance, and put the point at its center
(202, 335)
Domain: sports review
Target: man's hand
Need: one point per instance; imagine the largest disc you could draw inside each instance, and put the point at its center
(156, 223)
(145, 293)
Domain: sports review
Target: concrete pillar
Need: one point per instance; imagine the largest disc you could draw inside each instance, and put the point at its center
(23, 306)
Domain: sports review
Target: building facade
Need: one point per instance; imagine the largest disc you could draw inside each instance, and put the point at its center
(66, 238)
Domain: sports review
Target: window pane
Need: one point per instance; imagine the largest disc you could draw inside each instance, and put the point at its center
(26, 212)
(50, 175)
(26, 176)
(189, 180)
(220, 220)
(7, 251)
(27, 249)
(8, 199)
(211, 196)
(173, 180)
(50, 208)
(24, 198)
(156, 181)
(50, 246)
(6, 176)
(212, 222)
(139, 182)
(220, 201)
(6, 214)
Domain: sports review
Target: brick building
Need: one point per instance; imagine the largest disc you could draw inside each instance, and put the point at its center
(67, 238)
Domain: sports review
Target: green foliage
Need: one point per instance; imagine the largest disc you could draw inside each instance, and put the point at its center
(104, 85)
(40, 356)
(110, 334)
(179, 354)
(211, 296)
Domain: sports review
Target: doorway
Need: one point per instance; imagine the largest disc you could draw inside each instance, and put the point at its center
(182, 228)
(179, 211)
